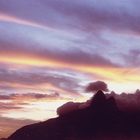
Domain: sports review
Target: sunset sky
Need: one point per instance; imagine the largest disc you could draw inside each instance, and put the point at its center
(51, 49)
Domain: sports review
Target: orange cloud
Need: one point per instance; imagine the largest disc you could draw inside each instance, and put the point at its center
(108, 73)
(118, 74)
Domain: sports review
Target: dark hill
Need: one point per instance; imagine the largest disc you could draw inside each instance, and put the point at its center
(101, 120)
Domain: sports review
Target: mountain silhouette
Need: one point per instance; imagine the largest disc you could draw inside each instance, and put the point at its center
(98, 100)
(100, 120)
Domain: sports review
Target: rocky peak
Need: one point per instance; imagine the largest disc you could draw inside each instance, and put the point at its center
(98, 99)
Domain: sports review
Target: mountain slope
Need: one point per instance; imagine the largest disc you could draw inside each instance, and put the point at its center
(101, 119)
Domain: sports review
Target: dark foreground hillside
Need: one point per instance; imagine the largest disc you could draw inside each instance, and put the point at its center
(100, 120)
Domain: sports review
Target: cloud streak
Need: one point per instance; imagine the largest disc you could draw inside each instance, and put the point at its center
(12, 19)
(58, 47)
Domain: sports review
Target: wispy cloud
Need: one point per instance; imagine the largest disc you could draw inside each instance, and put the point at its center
(9, 125)
(59, 47)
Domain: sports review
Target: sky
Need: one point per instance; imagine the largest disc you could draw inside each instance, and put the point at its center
(51, 49)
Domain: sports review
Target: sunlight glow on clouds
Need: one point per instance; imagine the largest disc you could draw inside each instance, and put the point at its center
(59, 47)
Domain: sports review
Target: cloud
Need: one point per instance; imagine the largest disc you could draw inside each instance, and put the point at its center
(18, 102)
(132, 58)
(29, 96)
(91, 15)
(5, 97)
(97, 15)
(12, 19)
(76, 38)
(34, 78)
(72, 106)
(68, 107)
(127, 101)
(9, 106)
(94, 15)
(72, 49)
(74, 56)
(9, 125)
(35, 106)
(95, 86)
